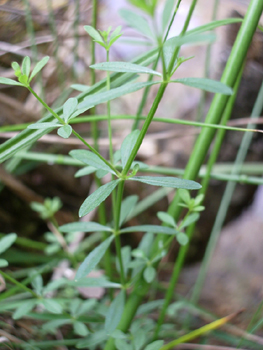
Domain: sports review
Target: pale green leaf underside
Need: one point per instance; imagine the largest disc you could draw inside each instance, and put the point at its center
(127, 146)
(205, 84)
(137, 22)
(114, 313)
(124, 67)
(43, 125)
(85, 171)
(8, 81)
(84, 227)
(167, 181)
(95, 282)
(93, 259)
(94, 100)
(97, 197)
(7, 241)
(150, 228)
(91, 159)
(65, 131)
(39, 66)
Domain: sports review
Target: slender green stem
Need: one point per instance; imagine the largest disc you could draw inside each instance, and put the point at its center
(73, 131)
(18, 284)
(76, 35)
(109, 115)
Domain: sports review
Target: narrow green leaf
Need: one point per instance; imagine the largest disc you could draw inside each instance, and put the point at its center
(84, 227)
(149, 274)
(94, 100)
(54, 324)
(117, 334)
(167, 13)
(39, 66)
(51, 305)
(85, 171)
(36, 126)
(7, 241)
(80, 87)
(37, 282)
(100, 173)
(167, 181)
(150, 228)
(114, 313)
(93, 259)
(139, 339)
(91, 159)
(127, 146)
(26, 66)
(3, 263)
(156, 345)
(92, 340)
(190, 220)
(124, 67)
(95, 282)
(93, 33)
(24, 309)
(137, 22)
(213, 25)
(122, 344)
(15, 66)
(205, 84)
(8, 81)
(97, 197)
(127, 207)
(166, 218)
(185, 196)
(80, 329)
(65, 131)
(182, 238)
(69, 107)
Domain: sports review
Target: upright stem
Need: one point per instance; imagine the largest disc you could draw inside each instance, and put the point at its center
(18, 284)
(109, 114)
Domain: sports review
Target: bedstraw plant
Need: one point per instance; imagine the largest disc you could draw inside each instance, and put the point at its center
(110, 323)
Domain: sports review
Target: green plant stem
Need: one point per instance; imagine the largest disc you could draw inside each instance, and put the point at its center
(204, 140)
(76, 35)
(18, 284)
(73, 131)
(109, 114)
(147, 89)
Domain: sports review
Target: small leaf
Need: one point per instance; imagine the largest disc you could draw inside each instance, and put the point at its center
(97, 197)
(173, 182)
(167, 218)
(213, 25)
(127, 207)
(149, 274)
(127, 146)
(117, 334)
(122, 344)
(124, 67)
(95, 282)
(114, 313)
(3, 263)
(39, 66)
(150, 228)
(87, 170)
(26, 66)
(102, 97)
(205, 84)
(137, 22)
(93, 33)
(190, 220)
(52, 305)
(93, 259)
(24, 309)
(80, 329)
(65, 131)
(69, 107)
(7, 241)
(15, 66)
(139, 339)
(167, 12)
(54, 324)
(8, 81)
(37, 282)
(185, 196)
(23, 79)
(83, 226)
(91, 159)
(80, 87)
(156, 345)
(182, 238)
(43, 125)
(199, 208)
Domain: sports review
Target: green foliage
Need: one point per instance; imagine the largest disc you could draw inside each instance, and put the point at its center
(48, 208)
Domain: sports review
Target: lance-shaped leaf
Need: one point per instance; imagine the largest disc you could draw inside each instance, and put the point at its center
(150, 228)
(114, 313)
(213, 25)
(52, 305)
(167, 12)
(69, 107)
(97, 197)
(85, 171)
(205, 84)
(94, 100)
(127, 207)
(137, 22)
(80, 87)
(8, 81)
(127, 146)
(84, 227)
(124, 67)
(93, 259)
(156, 345)
(90, 158)
(47, 125)
(167, 181)
(7, 241)
(24, 309)
(39, 66)
(190, 220)
(166, 218)
(95, 282)
(26, 66)
(93, 33)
